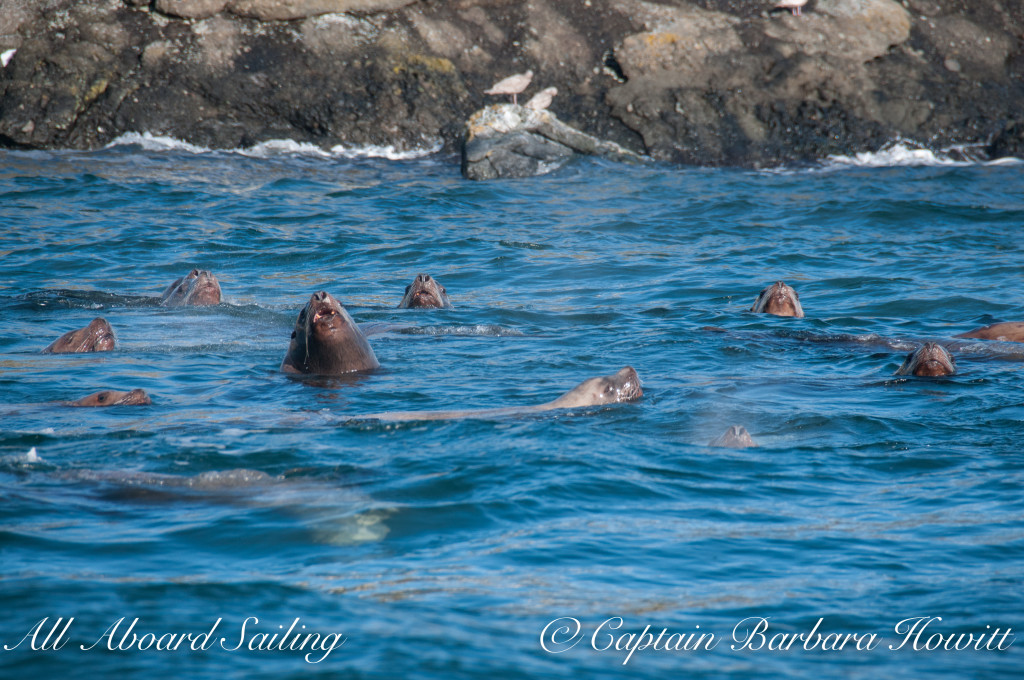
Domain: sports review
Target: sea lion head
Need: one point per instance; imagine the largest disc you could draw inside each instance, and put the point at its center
(198, 287)
(736, 437)
(778, 299)
(326, 341)
(928, 360)
(623, 385)
(114, 398)
(98, 336)
(425, 292)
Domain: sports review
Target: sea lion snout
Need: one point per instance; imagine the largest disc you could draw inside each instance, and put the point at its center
(326, 341)
(629, 384)
(929, 360)
(98, 336)
(779, 299)
(198, 287)
(425, 292)
(736, 437)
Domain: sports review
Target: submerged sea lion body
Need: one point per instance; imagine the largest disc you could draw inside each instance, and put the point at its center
(326, 341)
(928, 360)
(780, 300)
(114, 398)
(198, 287)
(622, 386)
(425, 292)
(1011, 331)
(98, 336)
(736, 437)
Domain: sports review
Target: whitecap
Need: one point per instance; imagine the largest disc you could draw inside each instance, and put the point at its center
(905, 154)
(279, 147)
(150, 142)
(896, 155)
(389, 152)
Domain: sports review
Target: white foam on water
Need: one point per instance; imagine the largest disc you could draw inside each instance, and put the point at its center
(902, 154)
(150, 142)
(389, 152)
(899, 154)
(278, 147)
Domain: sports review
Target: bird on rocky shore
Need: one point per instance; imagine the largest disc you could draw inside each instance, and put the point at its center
(542, 99)
(794, 6)
(512, 85)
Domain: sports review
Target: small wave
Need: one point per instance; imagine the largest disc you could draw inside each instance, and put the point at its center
(150, 142)
(477, 330)
(909, 155)
(899, 154)
(278, 147)
(389, 152)
(78, 299)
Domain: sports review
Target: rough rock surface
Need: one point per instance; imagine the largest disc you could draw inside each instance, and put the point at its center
(505, 140)
(701, 81)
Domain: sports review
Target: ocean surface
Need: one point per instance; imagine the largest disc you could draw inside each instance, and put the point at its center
(252, 524)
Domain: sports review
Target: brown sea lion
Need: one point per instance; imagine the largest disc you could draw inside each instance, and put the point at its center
(778, 299)
(930, 359)
(425, 292)
(326, 341)
(736, 437)
(1011, 331)
(114, 398)
(98, 336)
(198, 287)
(621, 386)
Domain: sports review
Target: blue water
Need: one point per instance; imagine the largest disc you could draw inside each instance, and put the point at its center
(445, 549)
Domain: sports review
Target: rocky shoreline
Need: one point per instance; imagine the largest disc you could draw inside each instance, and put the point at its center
(705, 82)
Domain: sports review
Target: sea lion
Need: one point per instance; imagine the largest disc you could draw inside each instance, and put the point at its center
(736, 437)
(198, 287)
(114, 398)
(98, 336)
(930, 359)
(1011, 331)
(326, 341)
(425, 292)
(778, 299)
(621, 386)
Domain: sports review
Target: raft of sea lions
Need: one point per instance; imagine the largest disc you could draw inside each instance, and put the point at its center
(326, 341)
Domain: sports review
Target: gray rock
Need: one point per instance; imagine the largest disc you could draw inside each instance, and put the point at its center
(506, 140)
(191, 9)
(282, 10)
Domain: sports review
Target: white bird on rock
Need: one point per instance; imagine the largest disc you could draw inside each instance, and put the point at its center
(542, 99)
(512, 85)
(794, 6)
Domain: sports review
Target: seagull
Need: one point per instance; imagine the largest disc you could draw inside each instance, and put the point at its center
(512, 85)
(793, 6)
(542, 99)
